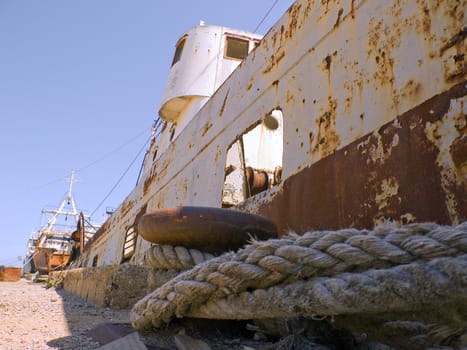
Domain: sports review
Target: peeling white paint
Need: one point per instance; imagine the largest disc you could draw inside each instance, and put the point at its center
(389, 188)
(442, 134)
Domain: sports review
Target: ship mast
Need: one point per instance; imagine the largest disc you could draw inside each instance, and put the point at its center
(68, 200)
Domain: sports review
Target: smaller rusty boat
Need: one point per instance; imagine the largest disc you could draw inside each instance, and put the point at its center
(58, 242)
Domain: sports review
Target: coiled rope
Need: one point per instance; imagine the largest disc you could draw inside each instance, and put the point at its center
(411, 266)
(167, 257)
(405, 287)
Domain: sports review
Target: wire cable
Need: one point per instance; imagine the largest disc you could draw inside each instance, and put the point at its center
(121, 177)
(92, 163)
(113, 151)
(45, 185)
(265, 16)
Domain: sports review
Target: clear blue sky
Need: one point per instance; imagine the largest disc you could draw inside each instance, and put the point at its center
(80, 84)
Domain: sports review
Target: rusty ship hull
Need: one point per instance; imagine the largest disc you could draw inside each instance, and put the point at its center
(372, 102)
(53, 251)
(46, 260)
(400, 172)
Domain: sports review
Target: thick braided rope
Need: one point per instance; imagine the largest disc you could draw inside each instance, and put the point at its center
(292, 258)
(409, 290)
(408, 287)
(167, 257)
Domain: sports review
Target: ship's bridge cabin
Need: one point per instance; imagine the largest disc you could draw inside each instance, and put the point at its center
(204, 58)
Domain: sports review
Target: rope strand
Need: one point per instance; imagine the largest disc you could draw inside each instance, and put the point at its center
(295, 260)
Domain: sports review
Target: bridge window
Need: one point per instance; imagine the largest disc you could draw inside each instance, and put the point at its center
(179, 50)
(236, 48)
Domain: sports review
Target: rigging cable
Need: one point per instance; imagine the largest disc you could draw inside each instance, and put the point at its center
(266, 15)
(92, 163)
(45, 185)
(90, 224)
(113, 151)
(121, 177)
(141, 168)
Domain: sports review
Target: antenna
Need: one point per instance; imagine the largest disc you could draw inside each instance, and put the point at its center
(72, 178)
(67, 200)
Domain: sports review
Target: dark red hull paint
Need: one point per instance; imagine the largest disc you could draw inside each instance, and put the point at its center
(339, 191)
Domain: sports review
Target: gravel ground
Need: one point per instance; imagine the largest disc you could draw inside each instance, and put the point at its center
(34, 317)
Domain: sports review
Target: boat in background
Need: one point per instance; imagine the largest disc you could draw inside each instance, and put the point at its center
(28, 262)
(59, 241)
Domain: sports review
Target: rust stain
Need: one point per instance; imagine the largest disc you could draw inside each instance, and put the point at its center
(224, 103)
(149, 180)
(424, 22)
(125, 207)
(339, 17)
(352, 9)
(181, 193)
(280, 56)
(218, 154)
(325, 7)
(249, 85)
(278, 38)
(206, 128)
(458, 150)
(411, 88)
(383, 61)
(292, 92)
(327, 63)
(384, 43)
(10, 274)
(405, 171)
(456, 39)
(159, 170)
(455, 61)
(274, 61)
(327, 139)
(264, 44)
(274, 37)
(289, 97)
(293, 24)
(307, 10)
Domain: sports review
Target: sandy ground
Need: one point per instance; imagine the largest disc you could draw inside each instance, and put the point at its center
(34, 317)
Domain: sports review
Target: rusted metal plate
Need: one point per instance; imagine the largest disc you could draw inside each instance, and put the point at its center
(411, 169)
(10, 274)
